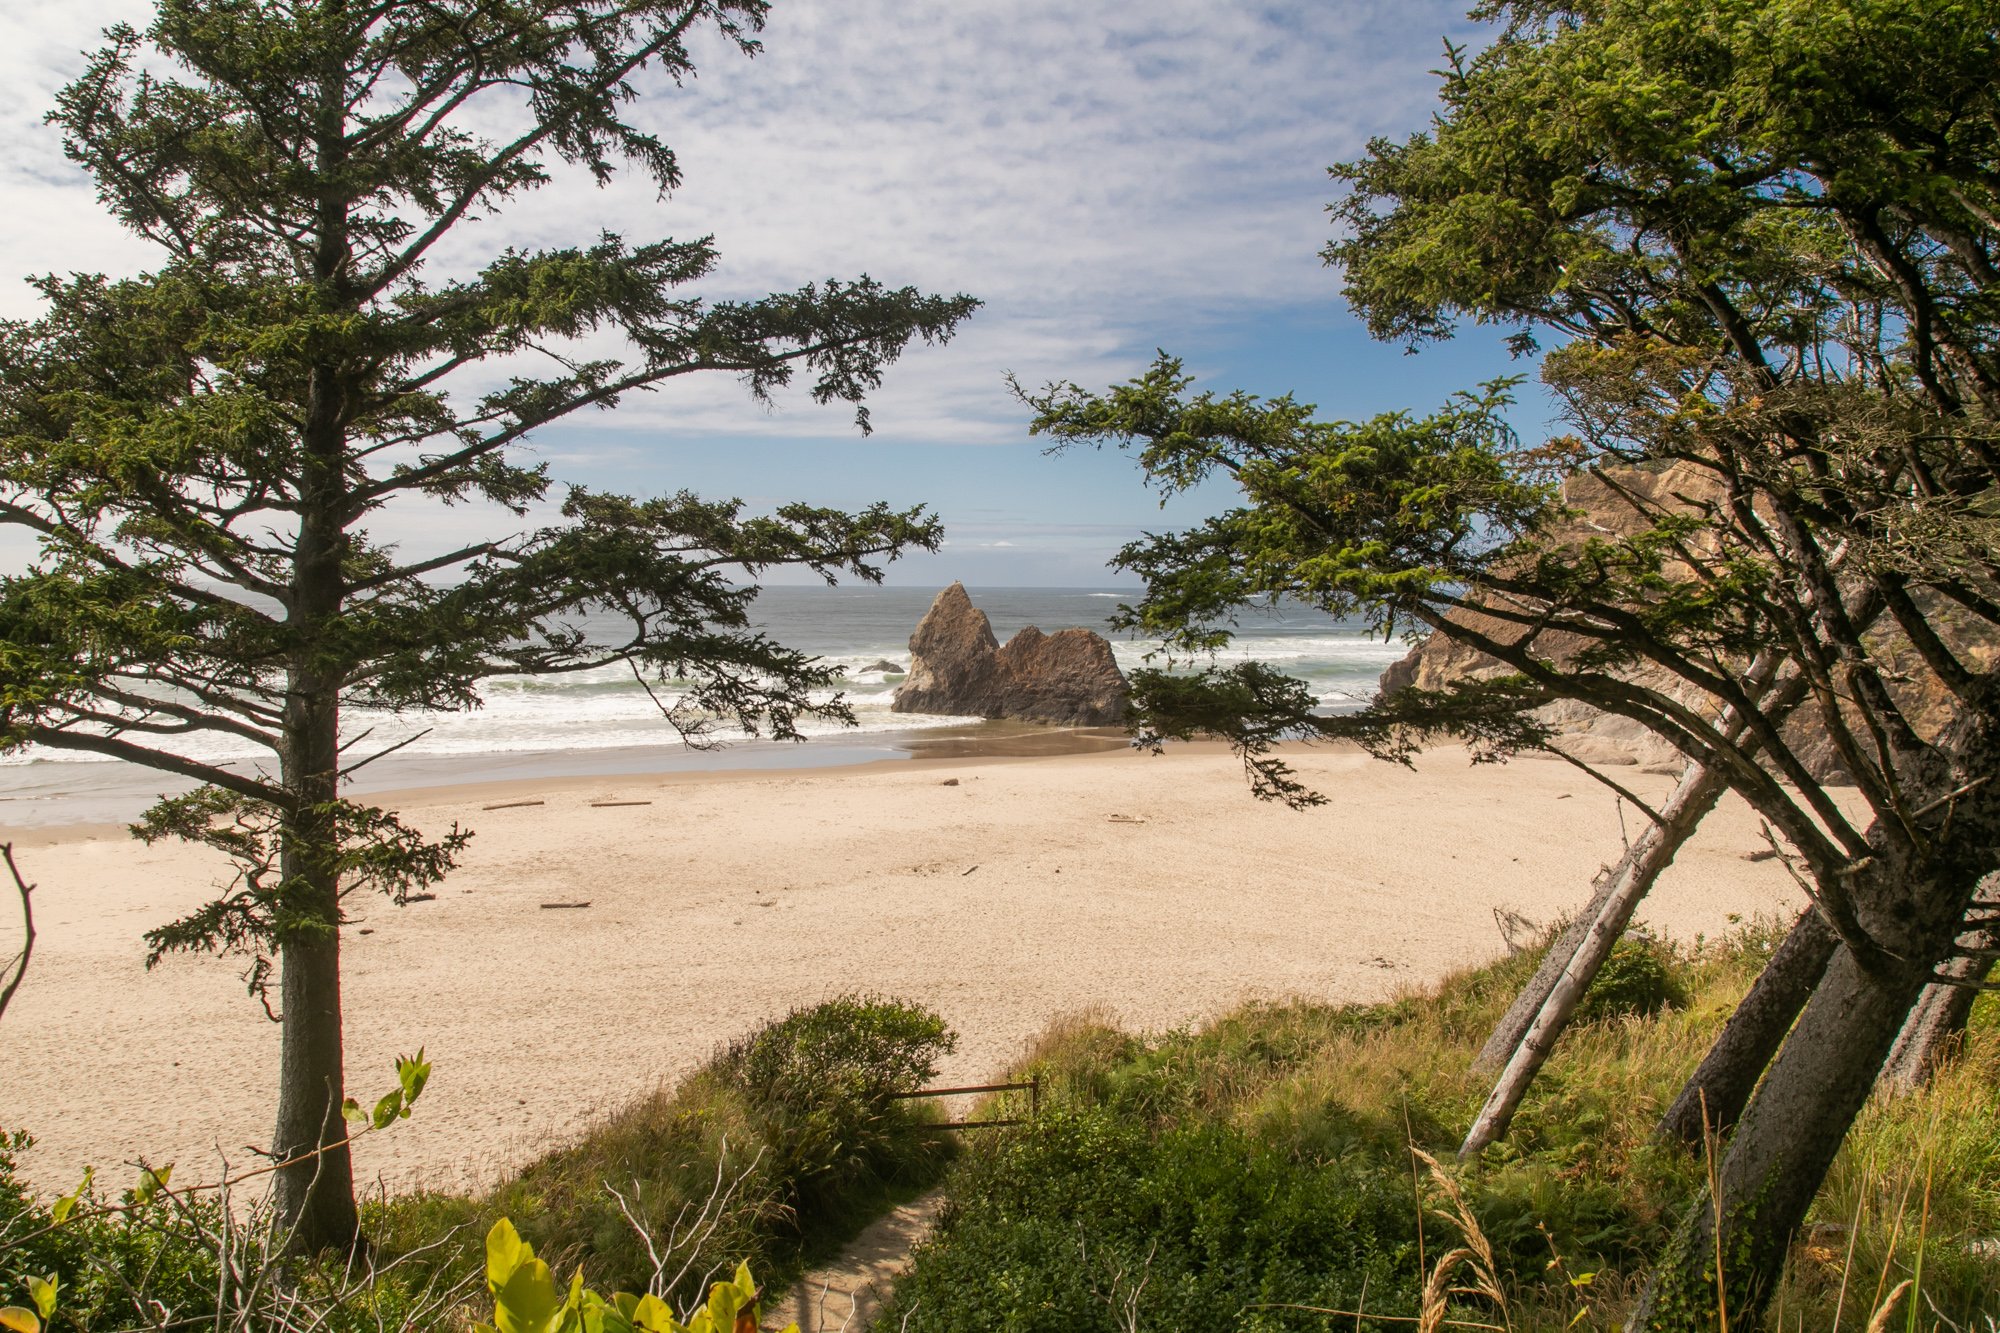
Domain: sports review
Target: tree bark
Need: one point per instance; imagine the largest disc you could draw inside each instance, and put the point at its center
(1780, 1152)
(1652, 852)
(1649, 854)
(314, 1196)
(1936, 1027)
(1934, 1030)
(1721, 1086)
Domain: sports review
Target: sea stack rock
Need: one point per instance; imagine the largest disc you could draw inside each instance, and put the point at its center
(957, 667)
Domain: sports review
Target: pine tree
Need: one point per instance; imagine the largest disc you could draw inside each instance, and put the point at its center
(199, 451)
(1764, 237)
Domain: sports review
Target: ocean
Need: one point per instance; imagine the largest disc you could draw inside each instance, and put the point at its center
(602, 722)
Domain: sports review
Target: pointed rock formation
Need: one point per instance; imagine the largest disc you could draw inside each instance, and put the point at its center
(958, 668)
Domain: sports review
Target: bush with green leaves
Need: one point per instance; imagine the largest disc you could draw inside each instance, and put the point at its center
(1637, 979)
(822, 1082)
(164, 1255)
(95, 1256)
(1085, 1221)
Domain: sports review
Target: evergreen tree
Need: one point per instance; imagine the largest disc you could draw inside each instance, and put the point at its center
(199, 451)
(1764, 234)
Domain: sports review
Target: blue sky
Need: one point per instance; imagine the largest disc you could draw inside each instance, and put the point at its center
(1108, 178)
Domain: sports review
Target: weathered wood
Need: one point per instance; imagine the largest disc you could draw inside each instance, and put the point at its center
(1649, 854)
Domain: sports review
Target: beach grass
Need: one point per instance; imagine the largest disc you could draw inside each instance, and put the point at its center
(1571, 1205)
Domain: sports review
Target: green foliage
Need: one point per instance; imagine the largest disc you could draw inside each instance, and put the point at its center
(162, 1248)
(1085, 1221)
(775, 1152)
(94, 1256)
(820, 1082)
(1199, 1176)
(526, 1299)
(1636, 980)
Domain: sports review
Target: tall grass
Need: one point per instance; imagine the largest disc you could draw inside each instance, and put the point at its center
(1567, 1210)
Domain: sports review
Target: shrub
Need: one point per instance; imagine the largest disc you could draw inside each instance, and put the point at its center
(822, 1083)
(102, 1261)
(1636, 980)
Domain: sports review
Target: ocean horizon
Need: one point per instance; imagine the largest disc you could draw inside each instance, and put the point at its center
(603, 722)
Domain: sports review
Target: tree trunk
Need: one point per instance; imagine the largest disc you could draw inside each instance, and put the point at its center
(1721, 1086)
(1651, 853)
(1934, 1030)
(1520, 1016)
(1780, 1152)
(314, 1196)
(1936, 1027)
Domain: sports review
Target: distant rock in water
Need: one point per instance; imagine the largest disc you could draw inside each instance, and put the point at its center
(885, 665)
(957, 667)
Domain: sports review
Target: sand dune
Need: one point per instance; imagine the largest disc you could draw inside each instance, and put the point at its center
(1002, 892)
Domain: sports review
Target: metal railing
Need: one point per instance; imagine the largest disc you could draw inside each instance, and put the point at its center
(1033, 1087)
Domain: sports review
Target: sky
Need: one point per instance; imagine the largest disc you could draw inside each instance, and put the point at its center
(1108, 178)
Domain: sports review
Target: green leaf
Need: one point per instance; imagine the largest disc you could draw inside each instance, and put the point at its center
(650, 1314)
(66, 1205)
(351, 1112)
(388, 1109)
(505, 1252)
(528, 1301)
(412, 1073)
(151, 1181)
(42, 1291)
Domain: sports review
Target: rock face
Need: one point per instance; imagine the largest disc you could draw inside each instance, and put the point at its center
(958, 668)
(1604, 738)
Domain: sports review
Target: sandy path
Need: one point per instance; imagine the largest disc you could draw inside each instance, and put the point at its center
(1154, 888)
(844, 1294)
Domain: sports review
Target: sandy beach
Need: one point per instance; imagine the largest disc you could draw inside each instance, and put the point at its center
(1001, 891)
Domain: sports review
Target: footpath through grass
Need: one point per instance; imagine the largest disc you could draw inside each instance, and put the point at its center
(1267, 1171)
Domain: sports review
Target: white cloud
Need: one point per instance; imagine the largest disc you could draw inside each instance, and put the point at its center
(1107, 177)
(1102, 175)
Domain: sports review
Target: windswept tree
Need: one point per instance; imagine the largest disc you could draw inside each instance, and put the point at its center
(200, 451)
(1765, 236)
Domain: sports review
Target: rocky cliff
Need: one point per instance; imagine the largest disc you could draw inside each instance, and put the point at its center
(1604, 738)
(958, 668)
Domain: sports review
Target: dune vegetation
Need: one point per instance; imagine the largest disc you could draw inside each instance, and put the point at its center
(1264, 1172)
